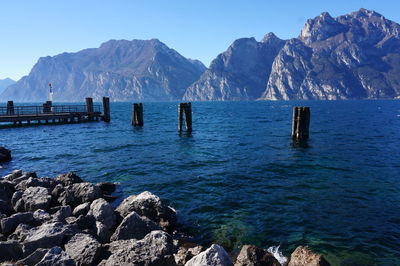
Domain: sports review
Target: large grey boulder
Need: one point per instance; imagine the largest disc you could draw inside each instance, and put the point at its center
(9, 224)
(62, 196)
(251, 255)
(134, 227)
(20, 233)
(83, 249)
(10, 251)
(45, 182)
(36, 198)
(149, 205)
(303, 256)
(56, 257)
(84, 192)
(81, 209)
(45, 236)
(13, 175)
(17, 202)
(103, 212)
(5, 155)
(23, 177)
(33, 258)
(69, 179)
(5, 208)
(59, 213)
(41, 216)
(213, 256)
(103, 233)
(6, 190)
(155, 249)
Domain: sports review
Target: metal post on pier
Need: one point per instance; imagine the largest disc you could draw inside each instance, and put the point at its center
(106, 109)
(301, 123)
(137, 115)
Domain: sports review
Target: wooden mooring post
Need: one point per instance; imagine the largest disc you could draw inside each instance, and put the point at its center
(185, 108)
(10, 108)
(89, 108)
(106, 109)
(301, 123)
(137, 115)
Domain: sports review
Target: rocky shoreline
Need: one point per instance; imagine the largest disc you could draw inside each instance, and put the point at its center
(66, 221)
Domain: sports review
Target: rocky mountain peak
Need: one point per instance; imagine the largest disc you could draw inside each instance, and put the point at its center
(271, 39)
(320, 28)
(366, 13)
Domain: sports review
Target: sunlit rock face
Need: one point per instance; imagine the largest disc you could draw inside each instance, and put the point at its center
(355, 56)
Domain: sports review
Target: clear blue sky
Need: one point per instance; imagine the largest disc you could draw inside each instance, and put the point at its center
(198, 29)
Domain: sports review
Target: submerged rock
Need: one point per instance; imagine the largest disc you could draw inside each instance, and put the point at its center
(107, 188)
(251, 255)
(155, 249)
(303, 256)
(213, 256)
(5, 155)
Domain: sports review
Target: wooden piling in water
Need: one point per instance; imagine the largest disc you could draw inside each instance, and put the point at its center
(89, 108)
(137, 115)
(106, 109)
(10, 108)
(185, 109)
(301, 123)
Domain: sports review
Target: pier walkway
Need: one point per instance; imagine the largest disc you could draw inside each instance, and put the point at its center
(48, 113)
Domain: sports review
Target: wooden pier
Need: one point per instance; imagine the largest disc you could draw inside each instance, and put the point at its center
(49, 113)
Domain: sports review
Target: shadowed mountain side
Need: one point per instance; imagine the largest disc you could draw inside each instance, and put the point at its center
(239, 73)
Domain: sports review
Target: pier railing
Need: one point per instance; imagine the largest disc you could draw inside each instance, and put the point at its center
(38, 110)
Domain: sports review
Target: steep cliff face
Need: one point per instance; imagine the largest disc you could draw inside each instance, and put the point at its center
(240, 73)
(355, 56)
(144, 70)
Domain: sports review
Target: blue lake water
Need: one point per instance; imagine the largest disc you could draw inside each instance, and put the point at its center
(238, 178)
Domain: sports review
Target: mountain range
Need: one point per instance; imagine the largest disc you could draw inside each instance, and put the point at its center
(4, 83)
(354, 56)
(143, 70)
